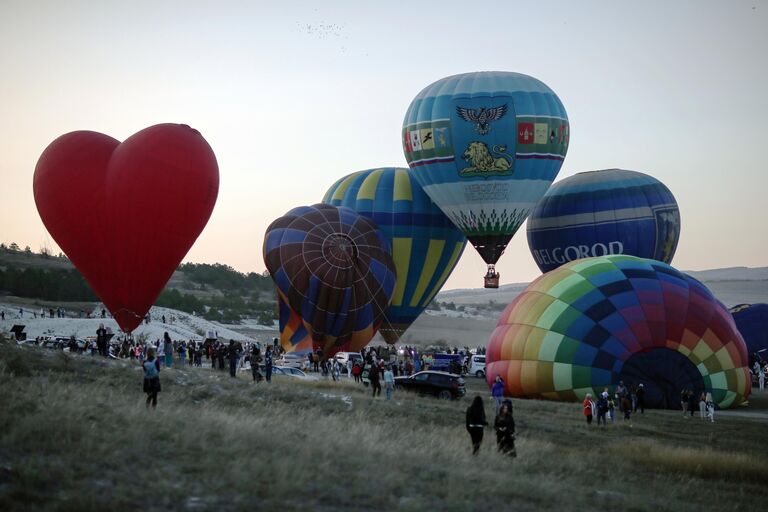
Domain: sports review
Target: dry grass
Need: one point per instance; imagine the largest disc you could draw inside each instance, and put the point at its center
(74, 435)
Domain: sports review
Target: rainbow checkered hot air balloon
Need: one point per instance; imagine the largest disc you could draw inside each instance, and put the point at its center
(593, 322)
(334, 268)
(425, 244)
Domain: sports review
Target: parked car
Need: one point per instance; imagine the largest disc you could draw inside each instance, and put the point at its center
(291, 372)
(294, 361)
(440, 384)
(343, 357)
(477, 366)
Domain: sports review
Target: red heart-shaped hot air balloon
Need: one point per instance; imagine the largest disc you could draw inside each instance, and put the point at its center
(127, 213)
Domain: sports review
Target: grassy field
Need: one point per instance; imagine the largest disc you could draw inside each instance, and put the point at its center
(75, 435)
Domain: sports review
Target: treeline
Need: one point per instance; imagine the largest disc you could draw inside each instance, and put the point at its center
(242, 296)
(47, 284)
(225, 278)
(226, 309)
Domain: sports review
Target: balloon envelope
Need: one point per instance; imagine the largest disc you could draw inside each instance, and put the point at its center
(127, 213)
(593, 322)
(294, 336)
(752, 322)
(425, 244)
(485, 147)
(613, 211)
(334, 268)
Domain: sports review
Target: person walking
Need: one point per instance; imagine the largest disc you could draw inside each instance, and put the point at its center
(151, 368)
(505, 429)
(589, 408)
(373, 376)
(168, 350)
(497, 392)
(389, 382)
(475, 422)
(268, 363)
(760, 377)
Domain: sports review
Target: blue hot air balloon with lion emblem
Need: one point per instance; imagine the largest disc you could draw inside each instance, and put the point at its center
(485, 147)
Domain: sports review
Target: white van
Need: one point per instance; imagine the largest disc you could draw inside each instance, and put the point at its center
(477, 366)
(343, 357)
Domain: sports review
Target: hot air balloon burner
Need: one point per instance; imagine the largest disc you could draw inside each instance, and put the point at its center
(340, 250)
(492, 277)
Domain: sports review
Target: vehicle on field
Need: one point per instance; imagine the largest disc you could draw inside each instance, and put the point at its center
(451, 363)
(440, 384)
(477, 366)
(291, 360)
(343, 357)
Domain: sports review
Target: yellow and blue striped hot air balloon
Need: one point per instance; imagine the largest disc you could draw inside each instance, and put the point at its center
(425, 244)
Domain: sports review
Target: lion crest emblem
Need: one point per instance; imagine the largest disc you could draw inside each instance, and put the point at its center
(486, 162)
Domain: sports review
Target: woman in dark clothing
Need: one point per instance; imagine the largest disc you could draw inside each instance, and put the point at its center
(476, 423)
(373, 375)
(151, 377)
(505, 429)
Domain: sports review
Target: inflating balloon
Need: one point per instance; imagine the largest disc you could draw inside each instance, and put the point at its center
(752, 322)
(596, 213)
(334, 268)
(485, 147)
(593, 322)
(425, 244)
(294, 337)
(127, 213)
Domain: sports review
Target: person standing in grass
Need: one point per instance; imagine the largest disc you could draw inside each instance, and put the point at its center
(684, 401)
(151, 377)
(182, 353)
(703, 405)
(497, 392)
(389, 382)
(626, 405)
(641, 398)
(602, 407)
(589, 407)
(268, 363)
(373, 376)
(168, 350)
(475, 422)
(505, 429)
(691, 402)
(710, 407)
(232, 358)
(255, 360)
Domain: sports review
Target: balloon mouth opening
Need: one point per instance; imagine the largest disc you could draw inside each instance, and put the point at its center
(340, 250)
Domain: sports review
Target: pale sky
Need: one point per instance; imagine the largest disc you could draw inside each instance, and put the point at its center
(293, 95)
